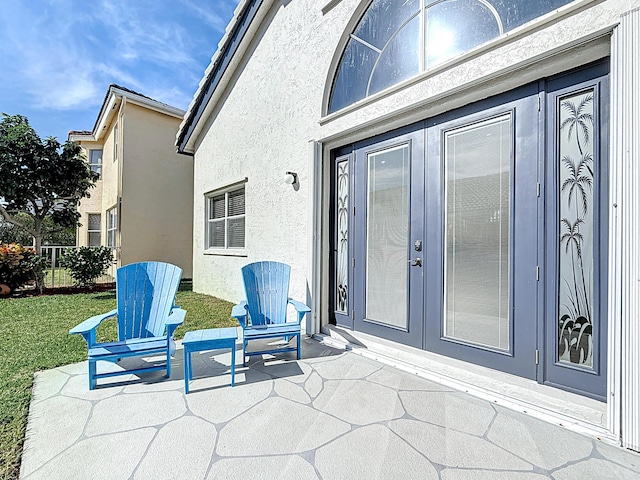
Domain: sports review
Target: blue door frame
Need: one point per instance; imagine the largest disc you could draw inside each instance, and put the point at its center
(533, 347)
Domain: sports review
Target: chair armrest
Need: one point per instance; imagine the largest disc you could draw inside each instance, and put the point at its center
(300, 307)
(174, 320)
(239, 312)
(92, 323)
(88, 328)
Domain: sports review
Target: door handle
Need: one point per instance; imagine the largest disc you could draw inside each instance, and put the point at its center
(416, 262)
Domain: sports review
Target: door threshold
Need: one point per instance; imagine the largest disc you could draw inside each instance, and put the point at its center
(569, 410)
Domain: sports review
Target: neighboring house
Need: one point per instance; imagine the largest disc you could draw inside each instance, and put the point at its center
(467, 197)
(142, 206)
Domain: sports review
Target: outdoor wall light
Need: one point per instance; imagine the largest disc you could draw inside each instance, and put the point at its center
(291, 178)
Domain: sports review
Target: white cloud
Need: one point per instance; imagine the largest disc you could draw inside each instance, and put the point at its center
(59, 56)
(173, 96)
(211, 16)
(135, 37)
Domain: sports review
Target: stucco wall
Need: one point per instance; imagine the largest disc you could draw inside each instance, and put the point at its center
(157, 191)
(273, 107)
(109, 170)
(92, 204)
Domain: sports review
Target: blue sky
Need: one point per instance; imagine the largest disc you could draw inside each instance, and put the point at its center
(58, 57)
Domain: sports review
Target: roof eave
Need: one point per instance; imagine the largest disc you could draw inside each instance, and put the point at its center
(107, 110)
(247, 16)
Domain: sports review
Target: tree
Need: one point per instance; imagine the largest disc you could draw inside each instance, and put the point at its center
(52, 234)
(40, 178)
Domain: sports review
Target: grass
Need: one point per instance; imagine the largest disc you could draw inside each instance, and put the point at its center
(34, 335)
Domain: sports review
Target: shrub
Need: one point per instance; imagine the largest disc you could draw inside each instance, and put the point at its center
(20, 265)
(87, 264)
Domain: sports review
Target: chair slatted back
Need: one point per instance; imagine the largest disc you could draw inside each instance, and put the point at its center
(267, 287)
(145, 294)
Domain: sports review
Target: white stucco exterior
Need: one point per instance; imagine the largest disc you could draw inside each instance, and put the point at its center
(268, 116)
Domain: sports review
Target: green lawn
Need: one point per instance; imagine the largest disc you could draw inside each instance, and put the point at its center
(34, 336)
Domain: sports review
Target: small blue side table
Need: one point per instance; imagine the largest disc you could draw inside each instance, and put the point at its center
(212, 339)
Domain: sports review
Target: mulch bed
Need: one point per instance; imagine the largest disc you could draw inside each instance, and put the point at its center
(30, 292)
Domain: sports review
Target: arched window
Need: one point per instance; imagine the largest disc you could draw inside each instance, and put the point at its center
(386, 47)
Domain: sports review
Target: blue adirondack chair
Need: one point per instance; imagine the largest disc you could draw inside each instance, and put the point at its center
(263, 314)
(147, 319)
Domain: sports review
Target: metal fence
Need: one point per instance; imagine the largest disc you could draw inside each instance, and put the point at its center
(58, 276)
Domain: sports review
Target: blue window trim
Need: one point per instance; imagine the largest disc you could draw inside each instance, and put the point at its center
(505, 25)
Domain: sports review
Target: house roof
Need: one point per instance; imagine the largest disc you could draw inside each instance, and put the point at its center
(115, 94)
(247, 15)
(79, 132)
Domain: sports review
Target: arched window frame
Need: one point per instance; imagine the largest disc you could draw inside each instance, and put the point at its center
(332, 74)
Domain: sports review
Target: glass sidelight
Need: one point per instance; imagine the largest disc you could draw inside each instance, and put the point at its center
(576, 147)
(477, 211)
(387, 236)
(342, 236)
(577, 231)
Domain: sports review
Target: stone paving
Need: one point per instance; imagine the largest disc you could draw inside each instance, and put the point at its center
(331, 415)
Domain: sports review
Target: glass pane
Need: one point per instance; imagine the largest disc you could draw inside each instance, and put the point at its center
(94, 221)
(576, 144)
(236, 232)
(342, 240)
(400, 60)
(456, 26)
(95, 157)
(111, 238)
(112, 218)
(383, 18)
(216, 207)
(351, 81)
(387, 236)
(94, 239)
(477, 195)
(236, 202)
(515, 13)
(216, 234)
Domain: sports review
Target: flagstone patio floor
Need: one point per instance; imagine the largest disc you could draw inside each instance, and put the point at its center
(331, 415)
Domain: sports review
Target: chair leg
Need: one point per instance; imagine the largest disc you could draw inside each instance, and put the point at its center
(298, 338)
(244, 352)
(168, 364)
(187, 369)
(92, 374)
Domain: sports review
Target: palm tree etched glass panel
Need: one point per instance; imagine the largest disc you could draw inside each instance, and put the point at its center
(575, 159)
(342, 240)
(387, 237)
(477, 233)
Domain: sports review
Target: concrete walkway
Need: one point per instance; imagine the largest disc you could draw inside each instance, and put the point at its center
(331, 415)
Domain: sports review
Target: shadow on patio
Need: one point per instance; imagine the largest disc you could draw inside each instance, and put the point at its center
(331, 415)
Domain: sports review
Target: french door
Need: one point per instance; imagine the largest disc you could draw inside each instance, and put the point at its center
(481, 229)
(389, 202)
(480, 234)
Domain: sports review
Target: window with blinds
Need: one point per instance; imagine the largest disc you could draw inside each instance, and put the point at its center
(225, 219)
(95, 161)
(93, 230)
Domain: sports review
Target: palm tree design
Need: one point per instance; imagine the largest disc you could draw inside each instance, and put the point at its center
(578, 120)
(572, 238)
(580, 183)
(576, 323)
(580, 179)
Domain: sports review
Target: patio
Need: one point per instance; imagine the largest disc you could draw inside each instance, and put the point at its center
(331, 415)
